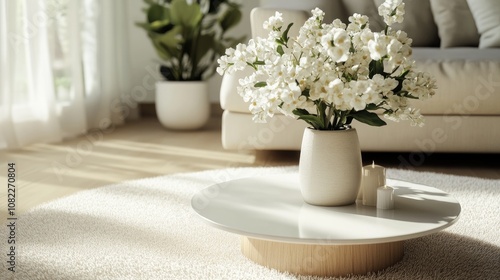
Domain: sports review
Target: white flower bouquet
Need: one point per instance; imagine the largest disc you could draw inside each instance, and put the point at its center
(331, 74)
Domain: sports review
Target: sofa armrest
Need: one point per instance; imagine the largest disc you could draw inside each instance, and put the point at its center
(229, 97)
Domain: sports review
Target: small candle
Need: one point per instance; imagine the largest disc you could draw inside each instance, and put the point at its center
(385, 198)
(373, 178)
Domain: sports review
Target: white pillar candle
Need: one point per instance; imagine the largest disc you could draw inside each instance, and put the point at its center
(373, 177)
(385, 198)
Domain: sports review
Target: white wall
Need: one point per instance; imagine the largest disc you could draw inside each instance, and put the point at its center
(144, 61)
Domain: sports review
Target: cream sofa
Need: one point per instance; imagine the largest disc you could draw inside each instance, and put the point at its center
(463, 116)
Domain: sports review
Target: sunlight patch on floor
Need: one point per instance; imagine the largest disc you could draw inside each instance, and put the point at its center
(180, 151)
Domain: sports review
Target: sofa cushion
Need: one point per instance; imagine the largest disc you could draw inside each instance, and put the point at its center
(467, 80)
(486, 14)
(418, 23)
(456, 26)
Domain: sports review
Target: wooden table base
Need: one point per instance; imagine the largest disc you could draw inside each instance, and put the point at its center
(322, 260)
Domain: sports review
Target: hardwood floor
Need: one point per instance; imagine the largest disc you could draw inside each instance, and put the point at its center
(144, 148)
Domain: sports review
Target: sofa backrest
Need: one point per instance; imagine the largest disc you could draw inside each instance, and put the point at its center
(419, 22)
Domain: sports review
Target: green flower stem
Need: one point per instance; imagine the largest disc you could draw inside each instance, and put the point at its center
(181, 66)
(176, 71)
(335, 121)
(329, 117)
(194, 47)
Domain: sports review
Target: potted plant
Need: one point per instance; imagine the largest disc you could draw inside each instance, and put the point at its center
(189, 37)
(328, 76)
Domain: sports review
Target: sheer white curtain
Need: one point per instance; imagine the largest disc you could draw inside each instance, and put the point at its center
(63, 69)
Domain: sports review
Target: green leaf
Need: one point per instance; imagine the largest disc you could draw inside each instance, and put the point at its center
(321, 106)
(171, 39)
(279, 50)
(368, 118)
(300, 112)
(185, 15)
(259, 62)
(311, 119)
(161, 26)
(205, 55)
(305, 92)
(393, 13)
(406, 94)
(205, 43)
(376, 67)
(403, 76)
(167, 45)
(144, 25)
(260, 84)
(157, 13)
(167, 73)
(162, 51)
(251, 65)
(284, 36)
(230, 18)
(200, 71)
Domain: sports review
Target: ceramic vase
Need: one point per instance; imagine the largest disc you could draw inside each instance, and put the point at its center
(330, 167)
(182, 105)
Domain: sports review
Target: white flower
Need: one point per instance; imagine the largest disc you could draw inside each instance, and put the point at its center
(357, 23)
(275, 22)
(358, 102)
(358, 19)
(394, 47)
(392, 11)
(337, 23)
(342, 69)
(365, 36)
(420, 85)
(403, 37)
(407, 114)
(378, 46)
(318, 14)
(341, 38)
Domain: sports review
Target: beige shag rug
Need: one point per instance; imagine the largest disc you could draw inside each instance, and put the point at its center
(146, 229)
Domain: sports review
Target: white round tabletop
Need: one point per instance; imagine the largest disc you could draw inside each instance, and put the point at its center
(271, 208)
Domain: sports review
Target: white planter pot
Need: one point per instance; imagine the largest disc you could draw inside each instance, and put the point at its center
(182, 105)
(330, 167)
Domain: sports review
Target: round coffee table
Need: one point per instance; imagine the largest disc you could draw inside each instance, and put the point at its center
(281, 231)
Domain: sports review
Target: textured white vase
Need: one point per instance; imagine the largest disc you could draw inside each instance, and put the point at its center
(330, 167)
(182, 105)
